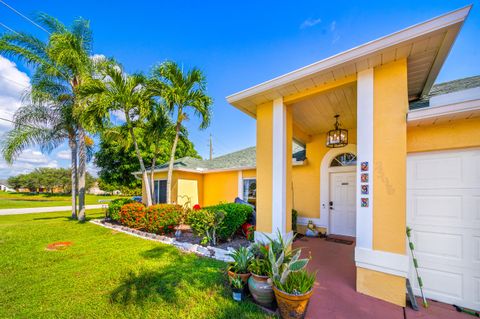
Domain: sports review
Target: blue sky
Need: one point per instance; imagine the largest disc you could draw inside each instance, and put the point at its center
(239, 44)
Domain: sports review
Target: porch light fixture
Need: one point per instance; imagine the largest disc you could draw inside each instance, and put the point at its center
(337, 137)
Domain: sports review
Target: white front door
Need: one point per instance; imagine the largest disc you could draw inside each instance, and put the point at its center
(342, 203)
(443, 210)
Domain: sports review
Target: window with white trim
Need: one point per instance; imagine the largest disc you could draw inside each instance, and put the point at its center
(160, 191)
(344, 159)
(250, 190)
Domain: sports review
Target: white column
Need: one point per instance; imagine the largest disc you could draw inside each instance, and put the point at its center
(279, 179)
(240, 185)
(365, 154)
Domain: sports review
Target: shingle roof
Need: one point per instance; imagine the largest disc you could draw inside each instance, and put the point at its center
(239, 159)
(446, 87)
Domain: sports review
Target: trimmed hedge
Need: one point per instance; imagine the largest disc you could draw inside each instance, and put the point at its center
(115, 205)
(133, 215)
(235, 216)
(163, 218)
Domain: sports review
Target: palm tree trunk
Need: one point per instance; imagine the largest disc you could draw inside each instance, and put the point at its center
(152, 173)
(170, 164)
(146, 182)
(73, 167)
(82, 171)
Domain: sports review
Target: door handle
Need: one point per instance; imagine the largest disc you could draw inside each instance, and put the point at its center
(330, 204)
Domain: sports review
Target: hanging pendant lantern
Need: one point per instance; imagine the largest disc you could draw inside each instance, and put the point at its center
(337, 137)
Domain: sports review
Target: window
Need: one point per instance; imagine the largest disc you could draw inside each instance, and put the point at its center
(250, 191)
(160, 188)
(345, 159)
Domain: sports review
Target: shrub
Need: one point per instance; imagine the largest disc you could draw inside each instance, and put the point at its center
(115, 205)
(163, 218)
(205, 223)
(235, 216)
(133, 215)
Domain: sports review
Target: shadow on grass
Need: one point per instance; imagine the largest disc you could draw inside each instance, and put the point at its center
(182, 279)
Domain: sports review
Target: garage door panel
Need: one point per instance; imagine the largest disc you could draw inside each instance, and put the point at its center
(443, 210)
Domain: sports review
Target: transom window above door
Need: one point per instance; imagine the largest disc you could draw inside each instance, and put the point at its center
(344, 159)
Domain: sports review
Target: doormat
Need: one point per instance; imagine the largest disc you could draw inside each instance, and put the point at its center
(339, 241)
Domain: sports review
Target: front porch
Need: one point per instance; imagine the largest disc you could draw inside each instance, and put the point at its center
(335, 295)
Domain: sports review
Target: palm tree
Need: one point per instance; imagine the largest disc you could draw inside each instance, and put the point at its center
(114, 90)
(180, 92)
(156, 127)
(59, 64)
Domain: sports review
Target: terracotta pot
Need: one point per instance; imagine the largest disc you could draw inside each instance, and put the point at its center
(261, 290)
(292, 306)
(244, 277)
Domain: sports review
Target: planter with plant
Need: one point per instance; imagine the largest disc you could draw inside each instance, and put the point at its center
(238, 293)
(239, 267)
(292, 284)
(259, 284)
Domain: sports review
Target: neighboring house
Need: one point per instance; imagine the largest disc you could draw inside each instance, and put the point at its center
(412, 158)
(5, 188)
(95, 190)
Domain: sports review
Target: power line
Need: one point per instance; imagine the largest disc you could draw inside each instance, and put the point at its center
(16, 123)
(8, 28)
(13, 81)
(24, 16)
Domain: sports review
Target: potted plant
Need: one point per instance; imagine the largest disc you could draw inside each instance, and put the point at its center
(237, 289)
(259, 284)
(292, 285)
(239, 267)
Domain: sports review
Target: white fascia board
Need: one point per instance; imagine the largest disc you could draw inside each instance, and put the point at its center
(201, 171)
(358, 52)
(448, 104)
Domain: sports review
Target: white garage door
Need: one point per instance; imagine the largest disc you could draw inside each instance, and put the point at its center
(443, 209)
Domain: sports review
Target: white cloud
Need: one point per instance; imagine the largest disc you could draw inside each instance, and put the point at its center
(65, 154)
(310, 23)
(333, 25)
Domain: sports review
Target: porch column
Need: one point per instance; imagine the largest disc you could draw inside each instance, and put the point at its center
(380, 253)
(274, 165)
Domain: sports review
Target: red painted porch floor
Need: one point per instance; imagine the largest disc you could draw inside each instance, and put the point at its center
(335, 296)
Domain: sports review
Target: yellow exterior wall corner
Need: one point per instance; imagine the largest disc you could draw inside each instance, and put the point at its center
(380, 285)
(390, 156)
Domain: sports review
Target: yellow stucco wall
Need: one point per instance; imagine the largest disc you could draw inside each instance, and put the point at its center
(389, 153)
(306, 177)
(264, 167)
(185, 186)
(220, 187)
(455, 134)
(381, 285)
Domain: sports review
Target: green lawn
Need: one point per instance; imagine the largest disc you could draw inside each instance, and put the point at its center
(105, 274)
(25, 200)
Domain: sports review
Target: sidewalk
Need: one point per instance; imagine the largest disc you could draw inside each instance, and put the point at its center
(17, 211)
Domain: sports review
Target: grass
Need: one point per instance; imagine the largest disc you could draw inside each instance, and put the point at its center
(105, 274)
(27, 200)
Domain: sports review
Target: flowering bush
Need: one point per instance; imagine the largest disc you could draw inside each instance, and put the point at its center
(235, 216)
(115, 205)
(133, 215)
(163, 218)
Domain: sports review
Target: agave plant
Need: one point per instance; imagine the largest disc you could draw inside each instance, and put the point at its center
(287, 262)
(241, 260)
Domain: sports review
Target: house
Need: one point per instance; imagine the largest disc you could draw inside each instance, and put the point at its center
(5, 188)
(405, 152)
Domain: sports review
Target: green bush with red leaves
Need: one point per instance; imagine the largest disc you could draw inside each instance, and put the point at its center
(163, 218)
(158, 219)
(133, 215)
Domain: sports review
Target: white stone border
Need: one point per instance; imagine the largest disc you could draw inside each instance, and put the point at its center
(209, 251)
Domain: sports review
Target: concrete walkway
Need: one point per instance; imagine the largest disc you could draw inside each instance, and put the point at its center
(334, 292)
(17, 211)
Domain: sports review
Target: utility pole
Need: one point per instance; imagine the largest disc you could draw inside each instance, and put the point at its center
(211, 147)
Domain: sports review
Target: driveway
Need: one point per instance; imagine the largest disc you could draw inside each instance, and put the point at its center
(17, 211)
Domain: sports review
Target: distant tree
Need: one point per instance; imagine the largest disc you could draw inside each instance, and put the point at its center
(182, 93)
